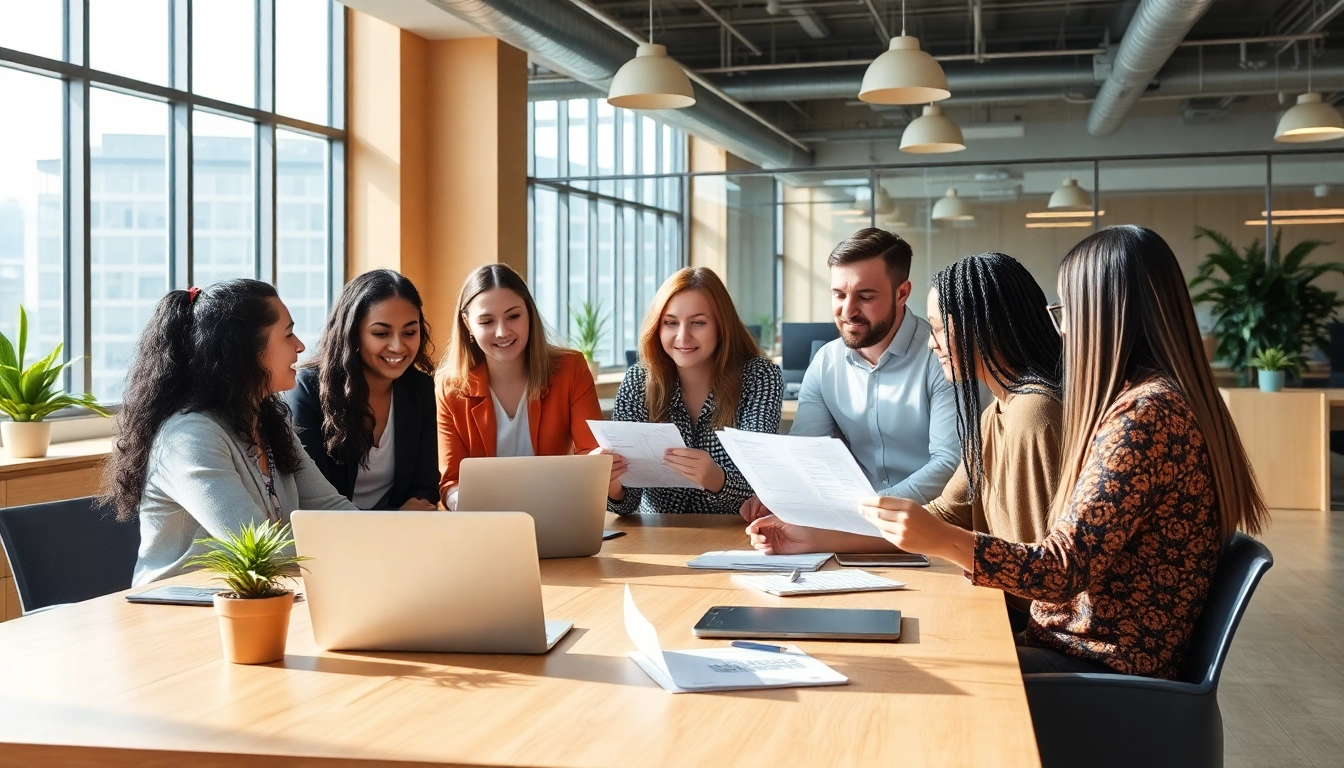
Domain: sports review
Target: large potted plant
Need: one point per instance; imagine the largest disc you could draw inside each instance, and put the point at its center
(1261, 302)
(590, 327)
(1272, 363)
(254, 611)
(28, 395)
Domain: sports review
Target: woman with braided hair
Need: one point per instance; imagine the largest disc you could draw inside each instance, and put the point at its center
(990, 325)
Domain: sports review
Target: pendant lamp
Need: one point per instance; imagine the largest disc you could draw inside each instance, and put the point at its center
(952, 208)
(932, 133)
(904, 74)
(1309, 120)
(1070, 197)
(882, 202)
(651, 80)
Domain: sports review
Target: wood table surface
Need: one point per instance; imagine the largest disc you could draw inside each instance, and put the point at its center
(106, 682)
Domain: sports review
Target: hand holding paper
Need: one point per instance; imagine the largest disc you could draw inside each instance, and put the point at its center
(642, 445)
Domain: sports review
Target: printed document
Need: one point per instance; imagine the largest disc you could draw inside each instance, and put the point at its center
(641, 444)
(812, 481)
(720, 669)
(751, 560)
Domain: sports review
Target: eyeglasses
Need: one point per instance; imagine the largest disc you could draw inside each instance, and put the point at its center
(1057, 317)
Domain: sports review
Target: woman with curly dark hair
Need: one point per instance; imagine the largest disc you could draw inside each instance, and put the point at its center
(364, 405)
(204, 444)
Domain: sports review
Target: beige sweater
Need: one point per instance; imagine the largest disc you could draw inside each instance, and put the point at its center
(1021, 446)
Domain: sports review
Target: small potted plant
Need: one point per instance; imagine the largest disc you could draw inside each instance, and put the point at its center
(767, 337)
(1273, 363)
(30, 394)
(590, 327)
(254, 612)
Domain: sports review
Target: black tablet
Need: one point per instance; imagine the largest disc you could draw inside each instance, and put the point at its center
(799, 623)
(884, 560)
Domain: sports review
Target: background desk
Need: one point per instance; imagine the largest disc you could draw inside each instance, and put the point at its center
(116, 684)
(1287, 438)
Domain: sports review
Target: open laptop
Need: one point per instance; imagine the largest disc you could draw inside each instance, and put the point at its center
(565, 495)
(424, 581)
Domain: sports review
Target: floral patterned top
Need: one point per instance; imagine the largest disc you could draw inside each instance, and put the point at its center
(1124, 573)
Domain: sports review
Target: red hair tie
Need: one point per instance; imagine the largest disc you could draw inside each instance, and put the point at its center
(192, 293)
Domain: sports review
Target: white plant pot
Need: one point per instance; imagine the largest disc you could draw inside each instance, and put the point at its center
(25, 439)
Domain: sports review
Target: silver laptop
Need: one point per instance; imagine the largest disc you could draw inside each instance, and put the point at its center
(565, 495)
(424, 581)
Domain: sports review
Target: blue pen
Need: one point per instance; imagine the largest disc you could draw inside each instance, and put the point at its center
(758, 646)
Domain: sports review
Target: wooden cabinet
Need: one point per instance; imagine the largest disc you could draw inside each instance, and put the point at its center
(69, 471)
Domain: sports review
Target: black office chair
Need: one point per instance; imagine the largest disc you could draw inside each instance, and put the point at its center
(67, 551)
(631, 357)
(1101, 720)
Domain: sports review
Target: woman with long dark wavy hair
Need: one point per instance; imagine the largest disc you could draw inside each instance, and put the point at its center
(364, 405)
(204, 443)
(1153, 476)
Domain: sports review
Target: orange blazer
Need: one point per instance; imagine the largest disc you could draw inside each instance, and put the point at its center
(558, 420)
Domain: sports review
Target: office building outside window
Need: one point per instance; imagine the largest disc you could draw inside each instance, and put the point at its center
(167, 184)
(595, 236)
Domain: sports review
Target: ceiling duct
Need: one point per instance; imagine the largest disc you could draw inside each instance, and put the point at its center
(567, 39)
(1158, 26)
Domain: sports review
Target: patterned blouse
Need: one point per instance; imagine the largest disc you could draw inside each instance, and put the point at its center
(1122, 577)
(757, 411)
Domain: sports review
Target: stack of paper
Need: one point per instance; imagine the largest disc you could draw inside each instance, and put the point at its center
(642, 445)
(822, 583)
(720, 669)
(751, 560)
(811, 481)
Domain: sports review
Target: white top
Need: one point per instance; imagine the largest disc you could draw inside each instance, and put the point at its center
(512, 436)
(374, 481)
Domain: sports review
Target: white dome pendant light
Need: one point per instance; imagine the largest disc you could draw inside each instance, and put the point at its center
(904, 74)
(1310, 119)
(1070, 197)
(932, 133)
(651, 80)
(952, 208)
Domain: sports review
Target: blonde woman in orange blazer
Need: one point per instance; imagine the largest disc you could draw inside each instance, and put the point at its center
(503, 388)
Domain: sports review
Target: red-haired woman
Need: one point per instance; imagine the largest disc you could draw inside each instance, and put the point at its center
(701, 370)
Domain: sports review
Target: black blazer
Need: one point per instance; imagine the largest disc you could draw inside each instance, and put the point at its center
(415, 459)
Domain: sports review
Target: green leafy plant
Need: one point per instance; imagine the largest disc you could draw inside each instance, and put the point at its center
(1275, 359)
(1261, 302)
(590, 327)
(33, 393)
(767, 337)
(251, 562)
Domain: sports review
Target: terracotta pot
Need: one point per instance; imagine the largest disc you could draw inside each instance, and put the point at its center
(26, 439)
(254, 631)
(593, 368)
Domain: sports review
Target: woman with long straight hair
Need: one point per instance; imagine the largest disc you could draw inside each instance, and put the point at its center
(1154, 476)
(364, 405)
(504, 389)
(700, 369)
(204, 445)
(989, 326)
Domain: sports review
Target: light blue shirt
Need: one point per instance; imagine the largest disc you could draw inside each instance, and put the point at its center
(899, 417)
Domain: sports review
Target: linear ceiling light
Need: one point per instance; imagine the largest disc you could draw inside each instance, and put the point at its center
(1057, 224)
(932, 133)
(651, 80)
(1062, 214)
(1308, 212)
(904, 74)
(1291, 222)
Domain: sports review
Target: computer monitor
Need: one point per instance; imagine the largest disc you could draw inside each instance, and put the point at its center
(798, 347)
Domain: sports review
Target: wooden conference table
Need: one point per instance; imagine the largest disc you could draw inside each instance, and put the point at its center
(106, 682)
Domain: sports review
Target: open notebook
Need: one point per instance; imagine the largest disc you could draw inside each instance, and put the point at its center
(720, 669)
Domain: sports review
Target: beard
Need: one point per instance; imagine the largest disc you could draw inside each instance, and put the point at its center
(870, 333)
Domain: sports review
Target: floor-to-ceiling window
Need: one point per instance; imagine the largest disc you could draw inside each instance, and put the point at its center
(594, 236)
(157, 144)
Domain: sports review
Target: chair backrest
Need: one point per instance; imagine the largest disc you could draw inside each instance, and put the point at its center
(1243, 561)
(67, 551)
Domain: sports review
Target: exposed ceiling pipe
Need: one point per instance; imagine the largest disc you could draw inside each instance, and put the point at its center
(713, 14)
(567, 39)
(1318, 23)
(963, 80)
(1157, 28)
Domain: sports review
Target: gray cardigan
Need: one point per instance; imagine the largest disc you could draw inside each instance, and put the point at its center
(202, 481)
